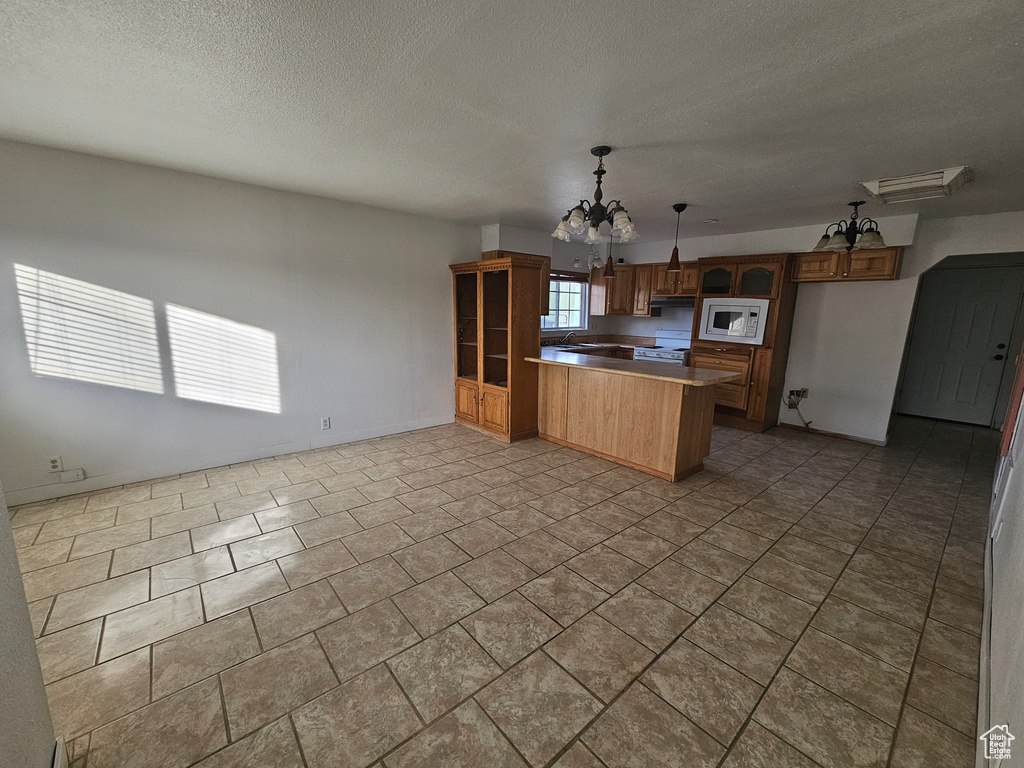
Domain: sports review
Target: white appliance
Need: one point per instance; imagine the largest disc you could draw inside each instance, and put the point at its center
(736, 321)
(670, 346)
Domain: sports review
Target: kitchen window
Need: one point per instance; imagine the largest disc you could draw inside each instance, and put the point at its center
(568, 297)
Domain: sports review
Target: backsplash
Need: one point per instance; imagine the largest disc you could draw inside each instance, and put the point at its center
(671, 317)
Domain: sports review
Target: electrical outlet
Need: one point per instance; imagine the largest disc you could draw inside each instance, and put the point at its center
(72, 475)
(325, 422)
(803, 393)
(56, 464)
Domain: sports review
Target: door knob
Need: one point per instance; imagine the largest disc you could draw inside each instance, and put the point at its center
(998, 357)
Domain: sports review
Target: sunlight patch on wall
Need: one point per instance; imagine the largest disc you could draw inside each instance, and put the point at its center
(216, 360)
(77, 330)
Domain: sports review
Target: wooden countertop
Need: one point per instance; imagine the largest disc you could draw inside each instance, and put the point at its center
(695, 377)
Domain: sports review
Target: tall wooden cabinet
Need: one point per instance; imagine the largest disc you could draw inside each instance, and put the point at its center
(497, 325)
(752, 402)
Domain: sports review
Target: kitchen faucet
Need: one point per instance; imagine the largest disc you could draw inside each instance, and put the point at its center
(567, 338)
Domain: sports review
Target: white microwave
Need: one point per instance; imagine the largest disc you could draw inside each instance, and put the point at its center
(737, 321)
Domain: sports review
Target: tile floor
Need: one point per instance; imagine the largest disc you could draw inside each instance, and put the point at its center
(438, 598)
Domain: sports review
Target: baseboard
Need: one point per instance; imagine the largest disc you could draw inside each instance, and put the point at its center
(60, 754)
(112, 480)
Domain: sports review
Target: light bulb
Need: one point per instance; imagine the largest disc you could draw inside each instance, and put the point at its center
(593, 236)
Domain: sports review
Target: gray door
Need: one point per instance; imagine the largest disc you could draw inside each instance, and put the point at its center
(960, 343)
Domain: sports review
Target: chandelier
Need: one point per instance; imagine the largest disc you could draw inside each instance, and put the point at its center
(851, 235)
(587, 216)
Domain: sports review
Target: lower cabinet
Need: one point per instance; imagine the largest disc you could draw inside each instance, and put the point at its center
(466, 400)
(494, 409)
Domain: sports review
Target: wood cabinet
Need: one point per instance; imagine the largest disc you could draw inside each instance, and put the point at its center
(643, 279)
(612, 296)
(752, 402)
(682, 283)
(545, 272)
(832, 266)
(497, 326)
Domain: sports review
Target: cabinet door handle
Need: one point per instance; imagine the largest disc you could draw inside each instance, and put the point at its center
(846, 274)
(998, 357)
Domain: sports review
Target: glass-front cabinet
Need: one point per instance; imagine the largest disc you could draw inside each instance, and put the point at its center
(495, 336)
(757, 280)
(717, 281)
(466, 327)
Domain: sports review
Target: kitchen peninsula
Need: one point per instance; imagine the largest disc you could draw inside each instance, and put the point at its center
(648, 416)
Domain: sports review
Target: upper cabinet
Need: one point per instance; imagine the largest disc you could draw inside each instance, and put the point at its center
(682, 283)
(545, 273)
(612, 296)
(759, 277)
(643, 278)
(825, 266)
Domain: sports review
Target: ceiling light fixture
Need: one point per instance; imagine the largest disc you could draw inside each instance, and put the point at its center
(919, 186)
(851, 235)
(587, 217)
(673, 263)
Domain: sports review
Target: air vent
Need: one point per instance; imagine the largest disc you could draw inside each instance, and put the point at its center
(919, 186)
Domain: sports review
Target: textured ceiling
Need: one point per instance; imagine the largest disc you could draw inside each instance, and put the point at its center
(760, 115)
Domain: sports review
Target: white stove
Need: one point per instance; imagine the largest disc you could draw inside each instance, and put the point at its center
(670, 346)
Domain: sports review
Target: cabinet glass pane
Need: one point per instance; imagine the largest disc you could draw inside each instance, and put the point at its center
(717, 281)
(495, 334)
(466, 325)
(757, 281)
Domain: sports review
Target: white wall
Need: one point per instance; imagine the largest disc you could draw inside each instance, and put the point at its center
(359, 299)
(26, 732)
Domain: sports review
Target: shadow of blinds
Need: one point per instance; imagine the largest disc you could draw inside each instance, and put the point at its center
(77, 330)
(216, 360)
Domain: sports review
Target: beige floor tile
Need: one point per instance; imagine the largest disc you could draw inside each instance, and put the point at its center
(189, 571)
(99, 695)
(644, 616)
(306, 566)
(557, 505)
(429, 558)
(471, 508)
(563, 595)
(781, 613)
(795, 709)
(178, 730)
(944, 695)
(175, 522)
(204, 496)
(521, 520)
(144, 510)
(144, 624)
(701, 515)
(903, 607)
(340, 501)
(641, 546)
(45, 555)
(510, 629)
(442, 671)
(296, 613)
(273, 745)
(862, 680)
(38, 613)
(260, 690)
(479, 537)
(641, 730)
(147, 553)
(25, 535)
(578, 756)
(540, 551)
(191, 656)
(299, 492)
(45, 582)
(74, 526)
(425, 525)
(688, 589)
(760, 654)
(952, 648)
(803, 583)
(229, 509)
(464, 738)
(709, 692)
(122, 496)
(261, 549)
(495, 574)
(356, 723)
(178, 485)
(598, 654)
(538, 707)
(238, 590)
(380, 512)
(720, 564)
(376, 542)
(737, 540)
(891, 642)
(99, 599)
(327, 528)
(923, 742)
(366, 638)
(286, 516)
(606, 568)
(579, 532)
(364, 585)
(955, 610)
(437, 603)
(898, 573)
(69, 651)
(218, 534)
(760, 748)
(678, 530)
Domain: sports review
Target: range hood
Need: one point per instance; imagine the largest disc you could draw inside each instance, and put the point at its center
(673, 301)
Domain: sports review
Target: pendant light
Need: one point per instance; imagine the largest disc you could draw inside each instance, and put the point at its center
(609, 267)
(673, 263)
